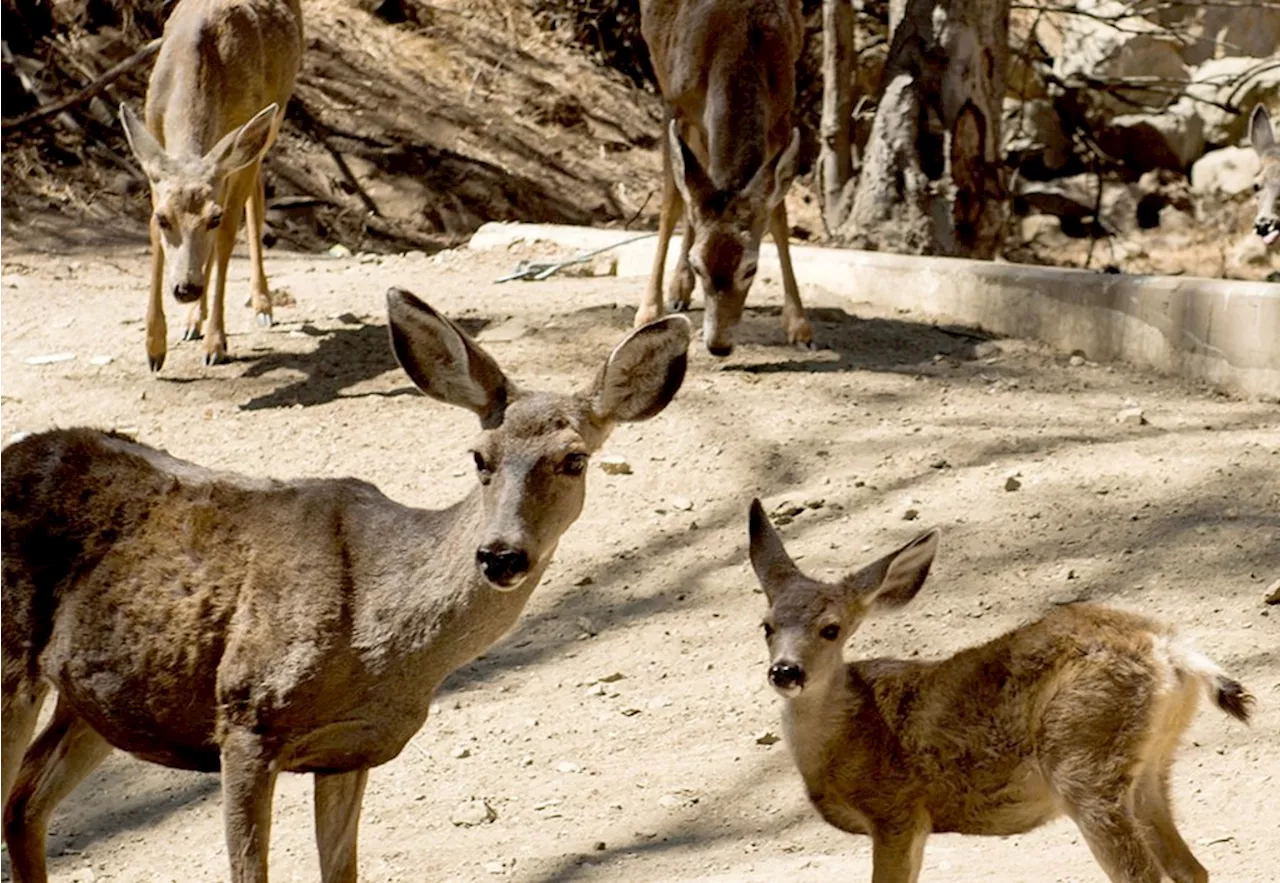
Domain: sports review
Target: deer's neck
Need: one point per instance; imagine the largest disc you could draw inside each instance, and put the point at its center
(836, 733)
(429, 609)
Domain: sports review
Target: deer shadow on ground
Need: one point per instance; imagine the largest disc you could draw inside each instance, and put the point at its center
(346, 356)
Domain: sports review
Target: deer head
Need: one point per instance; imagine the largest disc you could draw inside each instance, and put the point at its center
(725, 228)
(809, 622)
(188, 194)
(532, 453)
(1263, 139)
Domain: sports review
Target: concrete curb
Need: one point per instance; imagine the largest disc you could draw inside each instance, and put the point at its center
(1222, 332)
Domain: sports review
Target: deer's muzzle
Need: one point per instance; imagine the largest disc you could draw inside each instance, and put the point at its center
(501, 564)
(787, 678)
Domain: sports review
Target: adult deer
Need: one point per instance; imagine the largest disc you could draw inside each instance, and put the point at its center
(726, 69)
(1079, 712)
(1263, 139)
(208, 621)
(215, 103)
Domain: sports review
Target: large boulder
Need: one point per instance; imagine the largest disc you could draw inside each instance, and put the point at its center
(1107, 43)
(1214, 30)
(1229, 171)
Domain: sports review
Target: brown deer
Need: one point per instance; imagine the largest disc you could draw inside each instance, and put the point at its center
(215, 103)
(1263, 139)
(1079, 712)
(207, 621)
(727, 73)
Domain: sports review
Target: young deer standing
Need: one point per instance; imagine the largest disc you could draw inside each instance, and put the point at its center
(727, 71)
(208, 621)
(1079, 712)
(214, 106)
(1263, 139)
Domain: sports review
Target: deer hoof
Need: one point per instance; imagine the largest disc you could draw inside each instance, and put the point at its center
(215, 357)
(680, 304)
(265, 320)
(155, 363)
(192, 333)
(800, 333)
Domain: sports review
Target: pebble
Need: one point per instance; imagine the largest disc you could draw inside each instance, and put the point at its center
(681, 504)
(1012, 484)
(1273, 593)
(767, 737)
(568, 766)
(339, 251)
(461, 751)
(911, 515)
(1132, 416)
(615, 464)
(1076, 361)
(473, 812)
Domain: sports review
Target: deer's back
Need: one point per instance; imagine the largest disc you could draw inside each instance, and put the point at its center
(981, 733)
(695, 43)
(157, 595)
(221, 62)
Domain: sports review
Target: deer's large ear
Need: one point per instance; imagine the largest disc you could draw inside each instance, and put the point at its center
(896, 578)
(241, 146)
(443, 361)
(691, 179)
(1261, 135)
(643, 373)
(769, 558)
(145, 147)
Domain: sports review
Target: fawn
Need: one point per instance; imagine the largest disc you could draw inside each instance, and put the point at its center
(1079, 712)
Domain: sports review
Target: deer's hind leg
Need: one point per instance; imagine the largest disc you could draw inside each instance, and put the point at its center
(1152, 810)
(61, 757)
(255, 216)
(23, 697)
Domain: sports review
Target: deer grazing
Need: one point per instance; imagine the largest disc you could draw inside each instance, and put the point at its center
(208, 621)
(726, 69)
(215, 103)
(1079, 712)
(1263, 139)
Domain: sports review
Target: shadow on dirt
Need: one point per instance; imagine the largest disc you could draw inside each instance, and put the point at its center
(857, 344)
(345, 357)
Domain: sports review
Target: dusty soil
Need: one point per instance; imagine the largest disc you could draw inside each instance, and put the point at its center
(616, 730)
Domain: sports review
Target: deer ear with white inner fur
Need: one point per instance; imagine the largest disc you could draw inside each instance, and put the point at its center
(1261, 135)
(643, 373)
(443, 361)
(897, 577)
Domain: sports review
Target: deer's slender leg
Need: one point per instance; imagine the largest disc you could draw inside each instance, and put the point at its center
(215, 339)
(22, 700)
(256, 214)
(1151, 808)
(680, 293)
(337, 808)
(897, 857)
(60, 758)
(672, 208)
(248, 782)
(798, 329)
(157, 333)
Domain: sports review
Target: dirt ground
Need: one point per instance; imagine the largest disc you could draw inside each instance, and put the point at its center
(617, 731)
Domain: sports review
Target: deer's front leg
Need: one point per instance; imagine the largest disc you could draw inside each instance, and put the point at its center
(672, 206)
(215, 339)
(798, 329)
(248, 782)
(337, 808)
(896, 856)
(157, 332)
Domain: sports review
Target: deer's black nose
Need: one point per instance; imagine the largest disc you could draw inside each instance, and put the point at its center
(786, 675)
(187, 292)
(501, 564)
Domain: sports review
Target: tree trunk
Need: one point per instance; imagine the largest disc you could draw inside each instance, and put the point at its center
(835, 161)
(932, 178)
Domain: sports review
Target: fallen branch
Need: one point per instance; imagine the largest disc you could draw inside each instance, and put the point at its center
(89, 91)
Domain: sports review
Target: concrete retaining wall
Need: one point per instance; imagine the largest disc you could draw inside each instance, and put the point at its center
(1222, 332)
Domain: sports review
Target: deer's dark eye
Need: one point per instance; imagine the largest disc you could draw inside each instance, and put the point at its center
(768, 630)
(214, 221)
(162, 222)
(574, 464)
(483, 469)
(829, 632)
